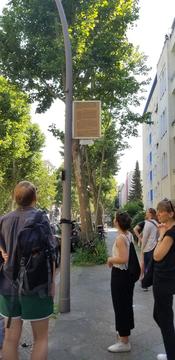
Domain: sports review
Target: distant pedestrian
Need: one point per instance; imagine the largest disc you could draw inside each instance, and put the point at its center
(149, 238)
(34, 306)
(164, 277)
(122, 285)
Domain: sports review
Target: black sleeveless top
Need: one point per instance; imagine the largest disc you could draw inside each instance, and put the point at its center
(164, 270)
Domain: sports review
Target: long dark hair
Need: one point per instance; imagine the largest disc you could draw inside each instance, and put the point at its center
(152, 211)
(124, 220)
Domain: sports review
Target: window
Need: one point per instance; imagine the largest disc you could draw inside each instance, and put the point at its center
(164, 164)
(151, 195)
(163, 123)
(162, 80)
(151, 175)
(150, 139)
(150, 157)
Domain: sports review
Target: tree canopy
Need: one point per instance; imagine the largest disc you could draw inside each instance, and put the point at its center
(21, 143)
(106, 67)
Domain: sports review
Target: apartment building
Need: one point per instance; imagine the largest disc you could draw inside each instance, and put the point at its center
(124, 188)
(159, 136)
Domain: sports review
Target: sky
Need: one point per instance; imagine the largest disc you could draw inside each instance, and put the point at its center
(155, 21)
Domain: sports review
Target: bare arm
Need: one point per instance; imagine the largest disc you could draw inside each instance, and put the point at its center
(4, 255)
(162, 248)
(123, 253)
(137, 231)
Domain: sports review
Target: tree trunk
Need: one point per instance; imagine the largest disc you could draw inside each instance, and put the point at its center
(96, 192)
(99, 214)
(80, 178)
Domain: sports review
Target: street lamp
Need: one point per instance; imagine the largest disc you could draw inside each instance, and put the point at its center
(64, 296)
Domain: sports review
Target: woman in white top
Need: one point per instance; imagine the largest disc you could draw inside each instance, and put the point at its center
(122, 285)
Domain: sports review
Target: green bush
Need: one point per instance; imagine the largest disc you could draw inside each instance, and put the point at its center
(133, 207)
(94, 253)
(140, 216)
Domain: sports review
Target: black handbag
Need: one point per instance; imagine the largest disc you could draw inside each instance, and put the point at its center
(147, 280)
(133, 263)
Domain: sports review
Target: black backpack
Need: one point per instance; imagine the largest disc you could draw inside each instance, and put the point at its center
(32, 271)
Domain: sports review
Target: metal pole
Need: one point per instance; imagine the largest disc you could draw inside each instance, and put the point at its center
(64, 296)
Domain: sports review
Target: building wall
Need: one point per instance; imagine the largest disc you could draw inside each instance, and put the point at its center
(159, 137)
(124, 189)
(122, 194)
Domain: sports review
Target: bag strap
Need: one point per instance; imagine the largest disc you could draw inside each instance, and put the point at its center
(129, 241)
(129, 238)
(37, 217)
(153, 223)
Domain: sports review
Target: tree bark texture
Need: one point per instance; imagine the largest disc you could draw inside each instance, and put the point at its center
(81, 183)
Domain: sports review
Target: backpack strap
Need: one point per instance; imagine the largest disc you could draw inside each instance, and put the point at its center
(37, 217)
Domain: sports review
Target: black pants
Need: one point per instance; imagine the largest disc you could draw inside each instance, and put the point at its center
(122, 297)
(147, 258)
(164, 317)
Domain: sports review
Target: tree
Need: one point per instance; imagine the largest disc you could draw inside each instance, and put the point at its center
(102, 163)
(21, 143)
(45, 181)
(135, 192)
(75, 212)
(106, 65)
(133, 207)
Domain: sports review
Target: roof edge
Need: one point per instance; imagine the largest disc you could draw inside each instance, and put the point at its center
(150, 94)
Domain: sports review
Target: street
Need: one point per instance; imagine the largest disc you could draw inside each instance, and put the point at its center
(87, 331)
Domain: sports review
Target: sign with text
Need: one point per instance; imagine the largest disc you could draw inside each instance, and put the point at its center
(86, 119)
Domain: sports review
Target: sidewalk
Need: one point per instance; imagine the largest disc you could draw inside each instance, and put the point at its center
(87, 331)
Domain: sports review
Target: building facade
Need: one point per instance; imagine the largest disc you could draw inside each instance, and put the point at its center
(159, 136)
(124, 188)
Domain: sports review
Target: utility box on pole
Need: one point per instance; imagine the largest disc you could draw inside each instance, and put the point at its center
(86, 119)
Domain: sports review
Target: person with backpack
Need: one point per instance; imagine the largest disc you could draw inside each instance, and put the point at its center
(27, 277)
(122, 283)
(149, 239)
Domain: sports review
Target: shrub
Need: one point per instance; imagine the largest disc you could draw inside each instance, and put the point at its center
(133, 207)
(94, 253)
(140, 216)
